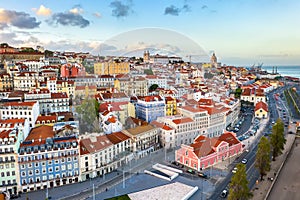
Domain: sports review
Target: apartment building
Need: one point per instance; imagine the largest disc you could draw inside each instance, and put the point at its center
(101, 154)
(149, 108)
(18, 110)
(46, 160)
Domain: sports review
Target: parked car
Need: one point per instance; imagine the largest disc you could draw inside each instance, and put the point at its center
(244, 161)
(202, 175)
(224, 194)
(190, 171)
(234, 170)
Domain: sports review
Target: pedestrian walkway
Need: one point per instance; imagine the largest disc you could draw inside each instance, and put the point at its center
(263, 188)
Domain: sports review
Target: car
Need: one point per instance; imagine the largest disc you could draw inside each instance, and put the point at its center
(244, 161)
(234, 170)
(202, 175)
(224, 193)
(190, 171)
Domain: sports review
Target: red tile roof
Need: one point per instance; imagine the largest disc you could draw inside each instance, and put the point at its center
(94, 144)
(59, 95)
(45, 118)
(28, 103)
(261, 105)
(11, 122)
(183, 120)
(41, 132)
(117, 137)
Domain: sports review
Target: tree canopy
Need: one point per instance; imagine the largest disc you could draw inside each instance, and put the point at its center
(277, 138)
(263, 160)
(88, 116)
(153, 87)
(238, 188)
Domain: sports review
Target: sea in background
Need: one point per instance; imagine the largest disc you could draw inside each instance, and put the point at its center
(293, 71)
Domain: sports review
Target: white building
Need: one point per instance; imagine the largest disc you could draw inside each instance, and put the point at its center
(18, 110)
(101, 154)
(22, 125)
(186, 129)
(35, 65)
(153, 79)
(49, 102)
(26, 80)
(9, 169)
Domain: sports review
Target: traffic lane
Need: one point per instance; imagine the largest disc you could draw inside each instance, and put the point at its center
(224, 184)
(245, 125)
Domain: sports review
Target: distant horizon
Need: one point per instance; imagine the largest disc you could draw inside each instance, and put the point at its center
(258, 31)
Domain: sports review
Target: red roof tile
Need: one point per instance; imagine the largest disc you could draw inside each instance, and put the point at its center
(261, 105)
(183, 120)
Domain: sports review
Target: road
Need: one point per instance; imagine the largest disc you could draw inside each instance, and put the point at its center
(252, 173)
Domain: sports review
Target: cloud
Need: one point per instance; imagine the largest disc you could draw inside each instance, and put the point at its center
(3, 26)
(120, 9)
(42, 10)
(77, 9)
(204, 7)
(175, 11)
(97, 14)
(172, 10)
(68, 19)
(20, 20)
(11, 39)
(186, 8)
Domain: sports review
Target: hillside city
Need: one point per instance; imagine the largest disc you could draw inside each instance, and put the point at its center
(78, 126)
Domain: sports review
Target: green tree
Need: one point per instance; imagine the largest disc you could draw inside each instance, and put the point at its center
(238, 93)
(277, 138)
(88, 116)
(263, 161)
(153, 87)
(238, 188)
(148, 71)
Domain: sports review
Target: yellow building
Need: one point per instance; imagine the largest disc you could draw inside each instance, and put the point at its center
(111, 68)
(171, 106)
(6, 82)
(137, 86)
(261, 110)
(206, 65)
(84, 92)
(66, 86)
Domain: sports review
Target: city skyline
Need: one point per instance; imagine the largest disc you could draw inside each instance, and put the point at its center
(239, 32)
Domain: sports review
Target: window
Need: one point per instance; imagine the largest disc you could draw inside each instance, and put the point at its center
(186, 153)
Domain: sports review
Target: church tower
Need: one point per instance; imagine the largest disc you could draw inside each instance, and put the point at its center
(146, 56)
(213, 60)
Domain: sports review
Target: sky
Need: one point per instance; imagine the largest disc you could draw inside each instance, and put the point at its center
(239, 32)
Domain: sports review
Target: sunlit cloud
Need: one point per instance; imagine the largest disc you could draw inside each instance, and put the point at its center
(42, 10)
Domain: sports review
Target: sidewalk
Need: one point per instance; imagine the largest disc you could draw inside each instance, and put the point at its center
(263, 188)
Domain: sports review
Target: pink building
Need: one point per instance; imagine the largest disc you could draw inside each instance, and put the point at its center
(206, 152)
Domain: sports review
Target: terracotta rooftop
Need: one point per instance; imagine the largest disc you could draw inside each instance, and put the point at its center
(261, 105)
(46, 118)
(40, 132)
(117, 137)
(183, 120)
(140, 129)
(28, 103)
(10, 123)
(94, 144)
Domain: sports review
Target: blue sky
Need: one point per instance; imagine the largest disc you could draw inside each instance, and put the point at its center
(240, 32)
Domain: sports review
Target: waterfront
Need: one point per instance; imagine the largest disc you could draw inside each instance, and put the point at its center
(293, 71)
